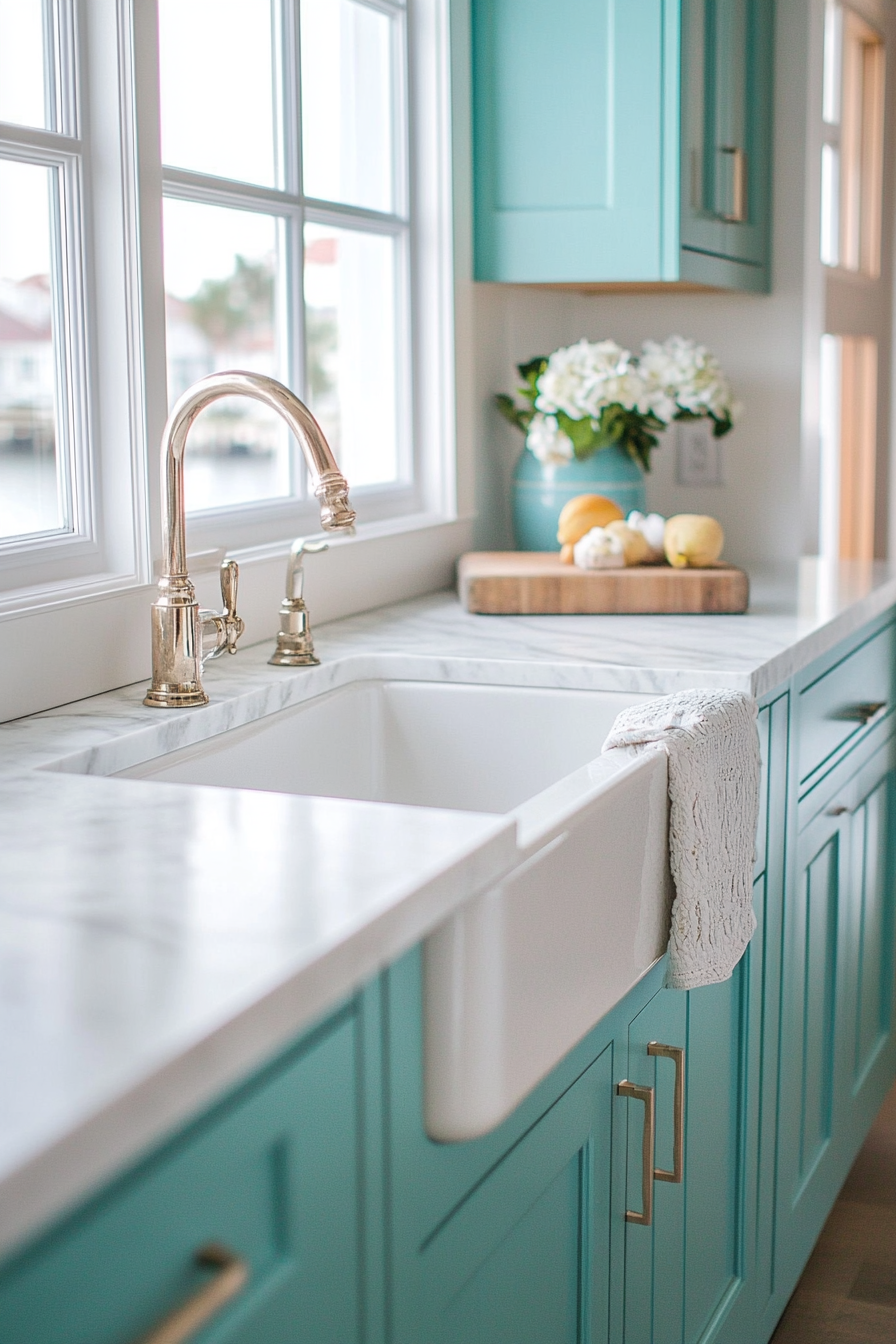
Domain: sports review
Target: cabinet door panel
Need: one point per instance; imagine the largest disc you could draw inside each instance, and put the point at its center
(526, 1257)
(567, 111)
(809, 1089)
(715, 1152)
(837, 1050)
(654, 1255)
(873, 931)
(726, 143)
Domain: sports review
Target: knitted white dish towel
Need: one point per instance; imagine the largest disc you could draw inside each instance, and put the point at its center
(711, 741)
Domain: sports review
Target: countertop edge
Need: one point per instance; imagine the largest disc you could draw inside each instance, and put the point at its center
(102, 1145)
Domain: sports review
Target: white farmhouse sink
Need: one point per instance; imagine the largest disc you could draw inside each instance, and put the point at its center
(521, 972)
(432, 744)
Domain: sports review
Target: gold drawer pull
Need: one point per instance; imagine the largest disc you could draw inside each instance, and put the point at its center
(864, 713)
(187, 1320)
(738, 211)
(645, 1094)
(675, 1053)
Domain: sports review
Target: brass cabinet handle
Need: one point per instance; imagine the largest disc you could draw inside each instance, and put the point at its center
(738, 212)
(839, 810)
(645, 1094)
(863, 713)
(675, 1053)
(231, 1277)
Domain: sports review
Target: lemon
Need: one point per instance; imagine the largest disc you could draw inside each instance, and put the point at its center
(693, 540)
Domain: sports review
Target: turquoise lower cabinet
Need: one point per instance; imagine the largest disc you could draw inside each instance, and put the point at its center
(519, 1235)
(838, 1056)
(526, 1258)
(685, 1272)
(654, 1251)
(273, 1176)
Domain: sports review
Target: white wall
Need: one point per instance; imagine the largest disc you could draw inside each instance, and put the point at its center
(763, 342)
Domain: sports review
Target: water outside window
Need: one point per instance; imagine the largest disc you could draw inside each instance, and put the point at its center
(32, 495)
(350, 281)
(223, 285)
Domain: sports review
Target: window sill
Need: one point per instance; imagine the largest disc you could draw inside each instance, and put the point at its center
(65, 644)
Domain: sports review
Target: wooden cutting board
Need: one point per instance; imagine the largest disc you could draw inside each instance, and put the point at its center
(520, 583)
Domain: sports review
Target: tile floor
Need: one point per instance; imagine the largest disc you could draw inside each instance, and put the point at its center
(847, 1294)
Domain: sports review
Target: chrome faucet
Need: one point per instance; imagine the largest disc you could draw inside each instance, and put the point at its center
(177, 622)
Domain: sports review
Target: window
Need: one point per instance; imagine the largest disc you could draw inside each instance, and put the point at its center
(42, 402)
(855, 348)
(286, 233)
(848, 446)
(852, 153)
(191, 185)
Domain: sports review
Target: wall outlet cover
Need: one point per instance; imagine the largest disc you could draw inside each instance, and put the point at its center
(698, 455)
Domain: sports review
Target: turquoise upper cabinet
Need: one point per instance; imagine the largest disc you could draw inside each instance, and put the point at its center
(726, 62)
(607, 152)
(568, 114)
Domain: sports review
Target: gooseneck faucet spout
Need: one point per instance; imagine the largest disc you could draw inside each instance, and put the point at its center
(177, 623)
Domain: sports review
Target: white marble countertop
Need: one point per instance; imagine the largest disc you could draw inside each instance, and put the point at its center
(159, 941)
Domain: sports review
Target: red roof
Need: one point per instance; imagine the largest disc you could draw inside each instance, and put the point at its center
(14, 329)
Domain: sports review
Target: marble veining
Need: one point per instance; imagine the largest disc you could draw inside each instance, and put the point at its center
(158, 941)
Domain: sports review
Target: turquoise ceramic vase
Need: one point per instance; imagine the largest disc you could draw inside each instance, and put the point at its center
(541, 490)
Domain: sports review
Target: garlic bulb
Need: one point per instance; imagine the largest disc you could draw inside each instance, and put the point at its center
(599, 549)
(635, 546)
(652, 527)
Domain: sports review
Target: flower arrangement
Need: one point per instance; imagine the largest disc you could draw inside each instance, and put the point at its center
(590, 395)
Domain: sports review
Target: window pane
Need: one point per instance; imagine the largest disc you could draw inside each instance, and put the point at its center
(31, 497)
(347, 103)
(351, 334)
(830, 205)
(833, 32)
(216, 60)
(223, 284)
(22, 95)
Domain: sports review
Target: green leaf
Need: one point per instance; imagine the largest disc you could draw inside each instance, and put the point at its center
(519, 418)
(533, 369)
(580, 431)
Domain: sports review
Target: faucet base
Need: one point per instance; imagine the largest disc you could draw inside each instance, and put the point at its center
(175, 697)
(293, 658)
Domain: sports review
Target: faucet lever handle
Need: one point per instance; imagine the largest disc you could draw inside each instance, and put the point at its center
(224, 627)
(230, 579)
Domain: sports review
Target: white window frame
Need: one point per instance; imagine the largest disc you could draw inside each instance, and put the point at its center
(97, 610)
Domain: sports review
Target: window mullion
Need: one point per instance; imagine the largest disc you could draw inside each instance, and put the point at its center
(294, 252)
(354, 217)
(64, 63)
(191, 186)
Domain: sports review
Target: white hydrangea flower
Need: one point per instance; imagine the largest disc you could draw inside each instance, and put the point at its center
(681, 375)
(547, 441)
(582, 379)
(599, 549)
